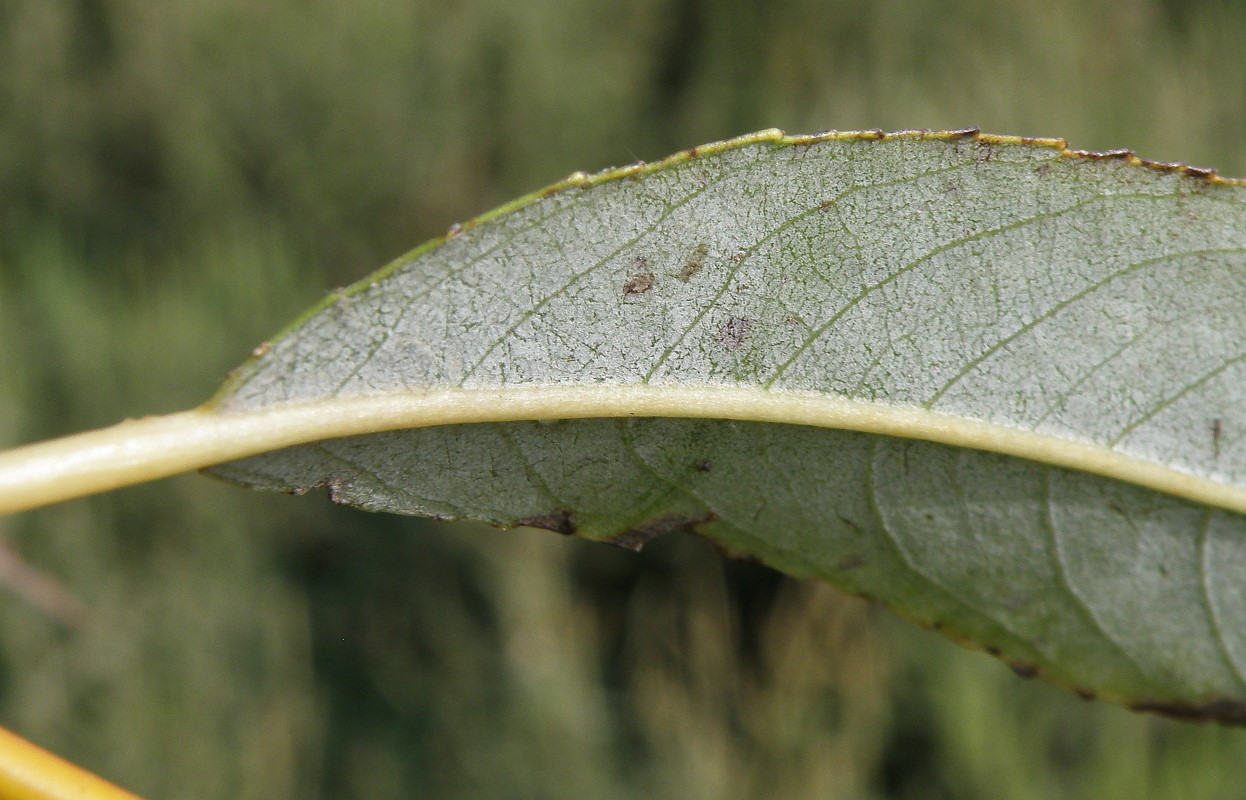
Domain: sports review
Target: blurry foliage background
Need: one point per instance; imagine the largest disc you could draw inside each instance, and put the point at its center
(178, 179)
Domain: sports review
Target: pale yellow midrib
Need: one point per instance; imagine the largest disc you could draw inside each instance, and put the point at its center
(155, 447)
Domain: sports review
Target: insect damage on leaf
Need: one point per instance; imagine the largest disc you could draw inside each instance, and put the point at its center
(733, 332)
(695, 261)
(641, 281)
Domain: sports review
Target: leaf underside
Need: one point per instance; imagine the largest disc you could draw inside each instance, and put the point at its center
(1084, 298)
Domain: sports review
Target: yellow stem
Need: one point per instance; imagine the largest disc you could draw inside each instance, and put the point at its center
(28, 772)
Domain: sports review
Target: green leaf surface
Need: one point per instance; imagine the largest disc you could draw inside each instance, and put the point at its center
(993, 383)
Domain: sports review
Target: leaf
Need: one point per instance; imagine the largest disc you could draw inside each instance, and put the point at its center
(993, 383)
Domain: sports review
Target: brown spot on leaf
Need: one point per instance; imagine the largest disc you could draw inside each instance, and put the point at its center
(852, 525)
(1042, 169)
(636, 538)
(696, 260)
(639, 283)
(1022, 669)
(1225, 710)
(559, 522)
(1217, 428)
(703, 466)
(733, 331)
(850, 563)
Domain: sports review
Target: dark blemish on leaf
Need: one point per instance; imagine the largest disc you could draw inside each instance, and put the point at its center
(794, 320)
(1085, 694)
(1042, 169)
(850, 563)
(1115, 506)
(964, 133)
(986, 151)
(639, 283)
(696, 260)
(262, 349)
(1200, 172)
(877, 134)
(1216, 430)
(559, 522)
(1226, 710)
(703, 466)
(738, 256)
(851, 525)
(826, 205)
(928, 517)
(692, 152)
(1021, 668)
(454, 230)
(733, 332)
(636, 538)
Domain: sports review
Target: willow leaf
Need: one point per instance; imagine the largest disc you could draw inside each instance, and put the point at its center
(993, 383)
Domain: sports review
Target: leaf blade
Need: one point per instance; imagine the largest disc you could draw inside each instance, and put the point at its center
(995, 284)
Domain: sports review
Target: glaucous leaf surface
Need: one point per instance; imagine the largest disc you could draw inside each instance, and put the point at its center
(1022, 301)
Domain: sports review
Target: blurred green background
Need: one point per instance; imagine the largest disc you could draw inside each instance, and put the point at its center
(178, 179)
